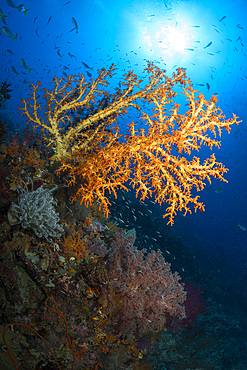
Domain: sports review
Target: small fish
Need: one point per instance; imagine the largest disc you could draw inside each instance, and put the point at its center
(189, 49)
(2, 16)
(37, 31)
(35, 19)
(10, 3)
(71, 55)
(48, 21)
(10, 52)
(222, 18)
(21, 8)
(196, 26)
(75, 24)
(242, 227)
(86, 66)
(200, 84)
(24, 65)
(67, 3)
(209, 44)
(8, 32)
(239, 26)
(14, 70)
(89, 74)
(219, 190)
(208, 86)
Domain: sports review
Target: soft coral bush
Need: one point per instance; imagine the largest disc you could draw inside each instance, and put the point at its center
(141, 291)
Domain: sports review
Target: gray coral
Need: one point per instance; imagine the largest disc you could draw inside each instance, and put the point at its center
(36, 210)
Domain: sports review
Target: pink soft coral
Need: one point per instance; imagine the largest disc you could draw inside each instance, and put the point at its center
(141, 291)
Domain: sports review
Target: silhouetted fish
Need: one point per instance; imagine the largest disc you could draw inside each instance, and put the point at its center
(75, 24)
(14, 70)
(48, 21)
(222, 18)
(86, 66)
(209, 44)
(10, 3)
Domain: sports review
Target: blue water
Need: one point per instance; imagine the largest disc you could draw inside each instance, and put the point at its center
(170, 34)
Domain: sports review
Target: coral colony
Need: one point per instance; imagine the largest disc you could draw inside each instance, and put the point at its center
(90, 148)
(105, 295)
(36, 210)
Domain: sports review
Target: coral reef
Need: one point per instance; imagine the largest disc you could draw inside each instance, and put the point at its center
(82, 273)
(109, 298)
(110, 294)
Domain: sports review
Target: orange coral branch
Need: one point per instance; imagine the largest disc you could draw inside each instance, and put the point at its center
(153, 160)
(66, 136)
